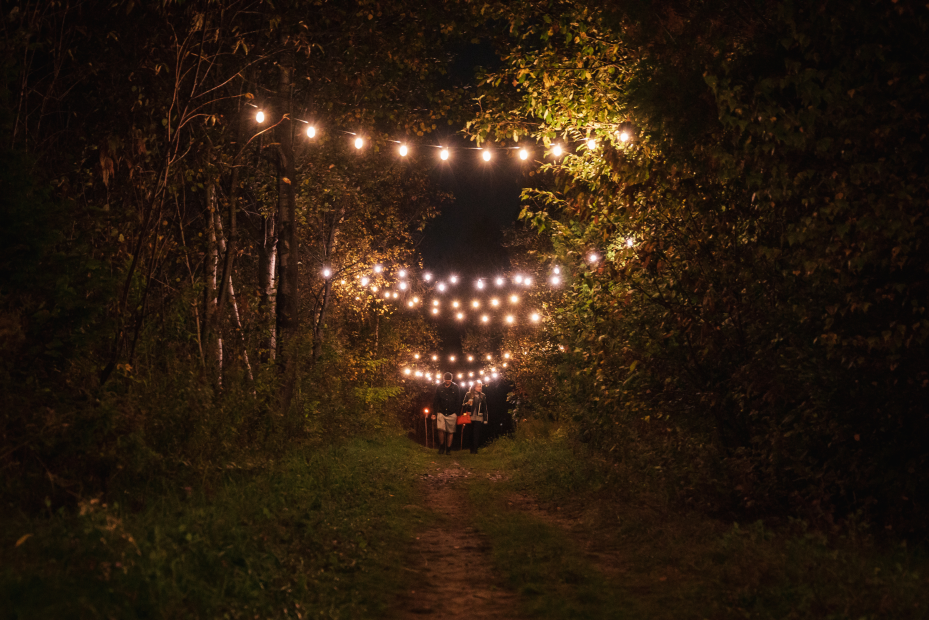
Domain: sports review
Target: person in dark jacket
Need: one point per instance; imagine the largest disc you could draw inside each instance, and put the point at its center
(445, 407)
(475, 403)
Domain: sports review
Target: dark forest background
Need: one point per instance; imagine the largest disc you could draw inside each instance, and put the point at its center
(753, 335)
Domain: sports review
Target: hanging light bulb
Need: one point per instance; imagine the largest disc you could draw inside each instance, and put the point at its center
(591, 144)
(523, 154)
(311, 132)
(453, 279)
(475, 304)
(402, 286)
(260, 117)
(403, 150)
(494, 302)
(506, 356)
(416, 356)
(406, 371)
(396, 295)
(527, 281)
(444, 154)
(514, 299)
(534, 317)
(557, 270)
(435, 358)
(485, 155)
(441, 287)
(455, 304)
(435, 302)
(557, 150)
(359, 142)
(479, 284)
(470, 358)
(500, 281)
(485, 318)
(510, 319)
(459, 316)
(410, 304)
(451, 358)
(326, 273)
(593, 257)
(378, 269)
(489, 357)
(555, 280)
(435, 311)
(518, 279)
(416, 300)
(364, 281)
(402, 273)
(427, 276)
(624, 136)
(504, 364)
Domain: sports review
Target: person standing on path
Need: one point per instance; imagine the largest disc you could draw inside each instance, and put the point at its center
(445, 407)
(476, 402)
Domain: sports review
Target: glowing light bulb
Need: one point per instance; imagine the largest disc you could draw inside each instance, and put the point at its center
(342, 282)
(402, 286)
(593, 257)
(630, 242)
(406, 371)
(403, 150)
(527, 282)
(460, 375)
(441, 287)
(410, 304)
(435, 311)
(311, 132)
(326, 273)
(416, 300)
(435, 358)
(260, 117)
(510, 319)
(470, 358)
(624, 136)
(504, 364)
(480, 284)
(364, 282)
(378, 269)
(555, 280)
(453, 279)
(435, 302)
(488, 356)
(359, 142)
(494, 375)
(373, 289)
(396, 295)
(485, 155)
(494, 302)
(518, 279)
(506, 356)
(419, 373)
(534, 317)
(475, 304)
(499, 281)
(470, 374)
(387, 294)
(485, 318)
(427, 276)
(523, 154)
(444, 154)
(416, 356)
(451, 358)
(455, 304)
(557, 151)
(402, 273)
(557, 270)
(591, 144)
(514, 299)
(459, 316)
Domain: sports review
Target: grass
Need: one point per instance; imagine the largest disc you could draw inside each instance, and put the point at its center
(318, 535)
(665, 563)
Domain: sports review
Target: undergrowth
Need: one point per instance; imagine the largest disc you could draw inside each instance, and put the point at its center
(318, 534)
(609, 544)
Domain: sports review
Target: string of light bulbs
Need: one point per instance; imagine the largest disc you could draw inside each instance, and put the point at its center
(622, 133)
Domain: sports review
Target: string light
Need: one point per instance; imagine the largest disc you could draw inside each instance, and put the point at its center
(406, 371)
(500, 281)
(509, 319)
(364, 282)
(591, 144)
(416, 300)
(373, 289)
(480, 284)
(624, 136)
(260, 117)
(555, 280)
(455, 304)
(416, 357)
(489, 357)
(444, 154)
(518, 279)
(311, 132)
(452, 358)
(435, 302)
(523, 154)
(427, 276)
(402, 286)
(435, 358)
(359, 142)
(475, 304)
(556, 270)
(494, 302)
(326, 273)
(441, 287)
(485, 318)
(403, 150)
(410, 304)
(593, 257)
(485, 155)
(378, 268)
(527, 282)
(453, 279)
(534, 317)
(630, 242)
(514, 299)
(556, 150)
(435, 311)
(470, 358)
(459, 316)
(506, 356)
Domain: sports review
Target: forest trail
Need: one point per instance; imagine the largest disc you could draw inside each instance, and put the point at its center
(454, 570)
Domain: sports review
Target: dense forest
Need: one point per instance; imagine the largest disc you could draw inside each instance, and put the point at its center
(734, 195)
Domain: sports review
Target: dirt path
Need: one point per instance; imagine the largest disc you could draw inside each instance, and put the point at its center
(448, 555)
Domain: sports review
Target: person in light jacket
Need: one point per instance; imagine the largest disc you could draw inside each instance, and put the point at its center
(475, 403)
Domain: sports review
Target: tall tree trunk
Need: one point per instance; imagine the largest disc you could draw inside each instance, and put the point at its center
(267, 285)
(214, 348)
(235, 307)
(328, 249)
(287, 255)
